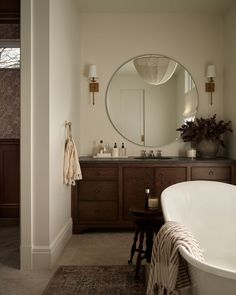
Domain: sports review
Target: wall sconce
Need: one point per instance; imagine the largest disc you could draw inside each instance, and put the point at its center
(93, 85)
(210, 74)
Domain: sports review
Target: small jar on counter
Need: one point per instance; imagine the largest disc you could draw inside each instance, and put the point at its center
(191, 153)
(153, 203)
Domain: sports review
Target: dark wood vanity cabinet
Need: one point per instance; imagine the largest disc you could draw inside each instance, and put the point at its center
(109, 188)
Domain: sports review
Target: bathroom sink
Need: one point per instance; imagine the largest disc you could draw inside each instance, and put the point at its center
(153, 158)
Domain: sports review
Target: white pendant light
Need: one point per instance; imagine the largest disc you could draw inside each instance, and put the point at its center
(155, 70)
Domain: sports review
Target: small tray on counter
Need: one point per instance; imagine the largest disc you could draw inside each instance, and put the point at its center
(108, 156)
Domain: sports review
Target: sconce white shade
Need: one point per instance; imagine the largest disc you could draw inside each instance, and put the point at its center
(211, 71)
(92, 71)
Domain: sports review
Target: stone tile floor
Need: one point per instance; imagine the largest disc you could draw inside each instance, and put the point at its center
(92, 248)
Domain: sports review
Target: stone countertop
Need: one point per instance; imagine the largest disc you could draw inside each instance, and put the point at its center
(164, 160)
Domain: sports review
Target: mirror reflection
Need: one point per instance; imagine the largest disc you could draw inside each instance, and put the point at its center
(149, 97)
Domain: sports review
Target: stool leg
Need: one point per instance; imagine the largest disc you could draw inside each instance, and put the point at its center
(140, 251)
(149, 244)
(133, 248)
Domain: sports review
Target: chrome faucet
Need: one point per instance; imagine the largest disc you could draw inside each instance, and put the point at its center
(159, 155)
(151, 154)
(143, 153)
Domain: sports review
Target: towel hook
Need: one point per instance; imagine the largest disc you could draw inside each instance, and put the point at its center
(69, 124)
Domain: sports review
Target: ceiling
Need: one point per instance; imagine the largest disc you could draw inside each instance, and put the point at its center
(137, 6)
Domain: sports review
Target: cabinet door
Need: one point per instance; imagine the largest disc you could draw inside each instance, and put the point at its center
(166, 176)
(135, 181)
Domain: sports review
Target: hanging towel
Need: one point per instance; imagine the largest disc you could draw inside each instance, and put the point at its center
(71, 169)
(168, 270)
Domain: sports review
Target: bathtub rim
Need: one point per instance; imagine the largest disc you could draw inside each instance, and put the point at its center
(208, 267)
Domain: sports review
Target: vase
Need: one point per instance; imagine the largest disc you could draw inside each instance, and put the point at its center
(208, 148)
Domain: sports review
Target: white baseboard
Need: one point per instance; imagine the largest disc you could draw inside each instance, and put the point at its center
(60, 241)
(44, 257)
(25, 257)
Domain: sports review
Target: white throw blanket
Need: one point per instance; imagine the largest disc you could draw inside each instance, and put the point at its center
(168, 271)
(71, 169)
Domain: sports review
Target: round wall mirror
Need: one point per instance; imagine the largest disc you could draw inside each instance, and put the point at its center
(149, 97)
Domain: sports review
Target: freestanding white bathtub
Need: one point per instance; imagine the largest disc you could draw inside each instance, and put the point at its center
(208, 209)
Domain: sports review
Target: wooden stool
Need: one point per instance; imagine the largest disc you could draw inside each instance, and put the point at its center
(147, 223)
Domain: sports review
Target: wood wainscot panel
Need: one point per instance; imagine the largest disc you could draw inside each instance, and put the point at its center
(9, 178)
(9, 11)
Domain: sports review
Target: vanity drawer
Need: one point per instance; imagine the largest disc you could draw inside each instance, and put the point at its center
(97, 211)
(99, 173)
(211, 173)
(98, 190)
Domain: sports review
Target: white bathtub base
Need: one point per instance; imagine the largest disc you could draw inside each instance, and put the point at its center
(207, 209)
(206, 283)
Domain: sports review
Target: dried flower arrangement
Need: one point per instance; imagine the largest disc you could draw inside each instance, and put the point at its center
(205, 128)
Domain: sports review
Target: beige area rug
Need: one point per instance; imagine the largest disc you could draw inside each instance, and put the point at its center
(96, 280)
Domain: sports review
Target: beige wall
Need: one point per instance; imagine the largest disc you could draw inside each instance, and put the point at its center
(63, 104)
(230, 74)
(40, 123)
(26, 183)
(48, 97)
(108, 40)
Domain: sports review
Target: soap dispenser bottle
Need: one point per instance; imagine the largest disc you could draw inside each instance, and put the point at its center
(115, 151)
(101, 147)
(122, 151)
(147, 196)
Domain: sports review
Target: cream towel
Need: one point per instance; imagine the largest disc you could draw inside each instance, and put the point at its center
(71, 169)
(168, 271)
